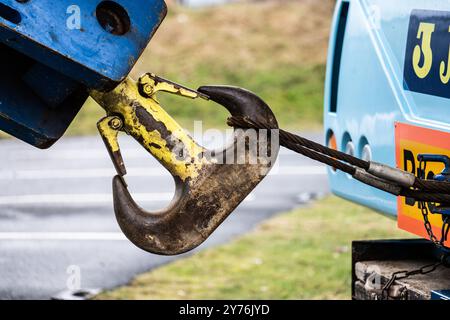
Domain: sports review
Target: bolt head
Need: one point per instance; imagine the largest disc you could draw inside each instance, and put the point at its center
(148, 89)
(115, 123)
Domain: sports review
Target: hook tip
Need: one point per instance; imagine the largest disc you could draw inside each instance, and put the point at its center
(241, 102)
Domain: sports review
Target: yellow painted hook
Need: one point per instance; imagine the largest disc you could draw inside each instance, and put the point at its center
(208, 188)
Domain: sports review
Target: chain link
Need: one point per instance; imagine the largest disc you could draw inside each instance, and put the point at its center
(346, 163)
(423, 206)
(398, 275)
(424, 209)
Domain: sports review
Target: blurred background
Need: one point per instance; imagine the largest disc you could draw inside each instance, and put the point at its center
(275, 48)
(58, 233)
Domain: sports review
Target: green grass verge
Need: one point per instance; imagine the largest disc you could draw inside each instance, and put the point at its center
(294, 94)
(303, 254)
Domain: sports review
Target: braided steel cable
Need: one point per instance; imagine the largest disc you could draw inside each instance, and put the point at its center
(429, 191)
(426, 196)
(319, 157)
(244, 122)
(432, 185)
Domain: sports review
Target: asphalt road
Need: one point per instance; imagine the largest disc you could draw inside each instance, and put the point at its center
(57, 226)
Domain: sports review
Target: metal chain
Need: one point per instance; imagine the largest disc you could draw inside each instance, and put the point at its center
(337, 159)
(424, 209)
(332, 157)
(423, 206)
(445, 229)
(398, 275)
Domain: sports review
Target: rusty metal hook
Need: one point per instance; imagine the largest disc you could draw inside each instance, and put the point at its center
(208, 186)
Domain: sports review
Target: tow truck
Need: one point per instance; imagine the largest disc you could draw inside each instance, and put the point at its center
(386, 100)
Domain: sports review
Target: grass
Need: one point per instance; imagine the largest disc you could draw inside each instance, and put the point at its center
(303, 254)
(275, 48)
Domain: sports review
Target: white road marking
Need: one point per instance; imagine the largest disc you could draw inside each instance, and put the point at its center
(91, 154)
(78, 199)
(135, 172)
(80, 173)
(85, 199)
(89, 236)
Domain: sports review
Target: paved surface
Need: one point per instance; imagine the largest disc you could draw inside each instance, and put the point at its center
(57, 226)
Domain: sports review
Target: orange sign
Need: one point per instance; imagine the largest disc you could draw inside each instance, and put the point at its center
(409, 142)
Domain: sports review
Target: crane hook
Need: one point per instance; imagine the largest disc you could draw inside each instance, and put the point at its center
(209, 184)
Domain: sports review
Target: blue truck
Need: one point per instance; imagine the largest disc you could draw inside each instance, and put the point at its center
(386, 99)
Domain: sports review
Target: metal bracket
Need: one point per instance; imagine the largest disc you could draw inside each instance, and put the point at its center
(52, 52)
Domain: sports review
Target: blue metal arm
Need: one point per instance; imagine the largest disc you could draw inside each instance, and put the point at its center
(52, 52)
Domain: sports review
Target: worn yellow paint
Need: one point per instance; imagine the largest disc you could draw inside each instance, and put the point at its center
(124, 101)
(152, 87)
(108, 134)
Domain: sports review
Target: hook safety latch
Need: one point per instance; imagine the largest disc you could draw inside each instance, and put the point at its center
(148, 85)
(209, 184)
